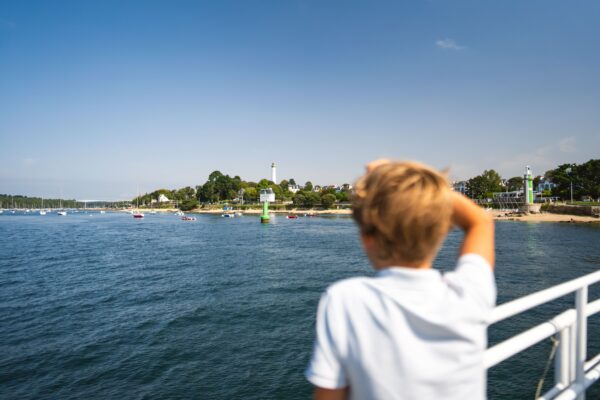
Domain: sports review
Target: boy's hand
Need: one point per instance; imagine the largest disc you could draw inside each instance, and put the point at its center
(478, 227)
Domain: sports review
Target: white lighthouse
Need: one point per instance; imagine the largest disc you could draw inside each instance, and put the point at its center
(273, 173)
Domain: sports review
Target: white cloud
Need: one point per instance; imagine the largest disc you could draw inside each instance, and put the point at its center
(448, 44)
(567, 145)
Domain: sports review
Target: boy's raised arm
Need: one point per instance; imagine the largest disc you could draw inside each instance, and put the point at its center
(478, 227)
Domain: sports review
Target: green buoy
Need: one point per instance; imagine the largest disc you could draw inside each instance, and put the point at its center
(264, 218)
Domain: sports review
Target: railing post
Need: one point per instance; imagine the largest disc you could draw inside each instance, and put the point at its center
(562, 361)
(572, 351)
(581, 299)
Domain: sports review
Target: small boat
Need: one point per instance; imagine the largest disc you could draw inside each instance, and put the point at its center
(62, 213)
(42, 212)
(292, 217)
(238, 214)
(310, 215)
(179, 213)
(186, 218)
(138, 215)
(102, 212)
(153, 212)
(228, 215)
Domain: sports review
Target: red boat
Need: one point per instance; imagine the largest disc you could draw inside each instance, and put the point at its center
(292, 217)
(138, 215)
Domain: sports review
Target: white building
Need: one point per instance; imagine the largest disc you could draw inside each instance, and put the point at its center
(163, 199)
(293, 188)
(545, 184)
(460, 186)
(273, 173)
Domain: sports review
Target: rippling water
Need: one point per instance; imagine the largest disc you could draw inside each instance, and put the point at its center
(102, 305)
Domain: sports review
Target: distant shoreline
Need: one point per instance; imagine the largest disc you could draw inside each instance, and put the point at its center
(496, 214)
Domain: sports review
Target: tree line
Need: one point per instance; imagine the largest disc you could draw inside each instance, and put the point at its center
(220, 188)
(584, 177)
(18, 201)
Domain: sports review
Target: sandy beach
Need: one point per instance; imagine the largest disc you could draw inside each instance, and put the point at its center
(542, 217)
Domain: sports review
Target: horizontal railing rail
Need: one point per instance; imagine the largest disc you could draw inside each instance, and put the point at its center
(572, 373)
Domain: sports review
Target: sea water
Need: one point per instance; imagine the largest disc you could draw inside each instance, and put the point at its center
(105, 306)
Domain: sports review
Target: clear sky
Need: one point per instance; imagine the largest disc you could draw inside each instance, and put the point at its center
(98, 98)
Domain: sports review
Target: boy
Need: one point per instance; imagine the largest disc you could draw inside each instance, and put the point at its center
(409, 332)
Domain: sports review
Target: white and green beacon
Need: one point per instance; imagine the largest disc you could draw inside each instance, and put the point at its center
(266, 195)
(528, 183)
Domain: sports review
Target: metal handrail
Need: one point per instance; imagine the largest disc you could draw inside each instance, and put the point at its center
(573, 375)
(533, 300)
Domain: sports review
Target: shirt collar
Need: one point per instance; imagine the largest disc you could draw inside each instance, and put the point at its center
(410, 274)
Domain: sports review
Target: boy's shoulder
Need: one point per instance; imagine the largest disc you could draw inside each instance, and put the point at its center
(348, 285)
(348, 289)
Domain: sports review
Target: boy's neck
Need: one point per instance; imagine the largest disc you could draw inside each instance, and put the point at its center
(379, 265)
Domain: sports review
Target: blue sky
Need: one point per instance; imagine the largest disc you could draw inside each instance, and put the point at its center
(100, 98)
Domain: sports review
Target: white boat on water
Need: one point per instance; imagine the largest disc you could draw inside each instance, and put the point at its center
(228, 215)
(102, 212)
(62, 212)
(179, 213)
(42, 212)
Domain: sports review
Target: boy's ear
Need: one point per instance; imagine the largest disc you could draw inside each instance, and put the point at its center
(368, 241)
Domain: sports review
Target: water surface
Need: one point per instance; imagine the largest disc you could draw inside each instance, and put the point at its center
(102, 305)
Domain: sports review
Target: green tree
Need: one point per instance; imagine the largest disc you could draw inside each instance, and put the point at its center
(188, 205)
(308, 186)
(482, 186)
(327, 200)
(299, 199)
(250, 194)
(343, 195)
(515, 183)
(277, 190)
(285, 192)
(585, 178)
(263, 184)
(292, 181)
(311, 199)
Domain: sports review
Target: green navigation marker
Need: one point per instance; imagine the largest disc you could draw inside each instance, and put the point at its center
(264, 218)
(266, 195)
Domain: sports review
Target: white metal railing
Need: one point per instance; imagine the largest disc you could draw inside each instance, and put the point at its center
(572, 373)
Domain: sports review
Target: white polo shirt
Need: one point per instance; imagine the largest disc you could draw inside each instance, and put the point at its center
(406, 333)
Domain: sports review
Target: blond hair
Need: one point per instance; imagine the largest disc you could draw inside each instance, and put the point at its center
(406, 208)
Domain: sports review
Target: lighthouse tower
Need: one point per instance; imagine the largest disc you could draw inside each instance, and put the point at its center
(529, 205)
(273, 173)
(528, 183)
